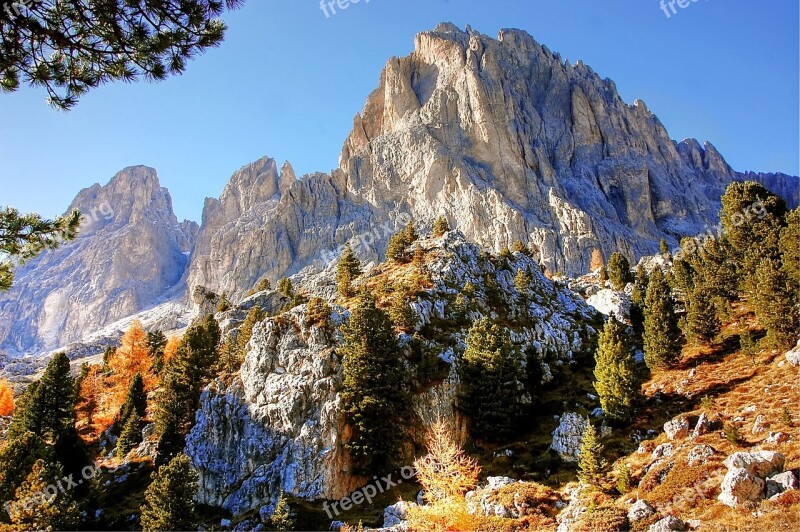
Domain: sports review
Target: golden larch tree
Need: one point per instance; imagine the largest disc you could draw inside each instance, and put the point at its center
(6, 398)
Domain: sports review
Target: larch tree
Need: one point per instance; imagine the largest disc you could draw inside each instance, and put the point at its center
(6, 398)
(36, 509)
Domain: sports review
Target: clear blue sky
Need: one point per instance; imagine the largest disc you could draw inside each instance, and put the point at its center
(287, 82)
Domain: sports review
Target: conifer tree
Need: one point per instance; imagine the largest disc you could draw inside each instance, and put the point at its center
(49, 512)
(281, 518)
(135, 402)
(319, 312)
(410, 234)
(718, 269)
(6, 398)
(397, 247)
(774, 303)
(402, 313)
(522, 282)
(619, 271)
(131, 435)
(615, 372)
(684, 277)
(603, 275)
(18, 453)
(590, 459)
(790, 251)
(347, 271)
(169, 500)
(662, 345)
(375, 391)
(285, 288)
(440, 227)
(185, 375)
(663, 248)
(519, 247)
(702, 322)
(224, 305)
(489, 371)
(238, 350)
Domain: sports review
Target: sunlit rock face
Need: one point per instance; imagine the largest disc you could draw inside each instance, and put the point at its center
(502, 136)
(131, 253)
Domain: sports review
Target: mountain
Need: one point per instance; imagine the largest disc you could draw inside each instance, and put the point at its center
(131, 253)
(504, 138)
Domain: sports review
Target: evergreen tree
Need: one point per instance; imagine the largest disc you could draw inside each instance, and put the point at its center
(185, 375)
(519, 247)
(702, 321)
(662, 345)
(410, 234)
(623, 479)
(522, 282)
(286, 288)
(131, 435)
(263, 285)
(419, 257)
(319, 313)
(135, 402)
(33, 511)
(17, 455)
(347, 271)
(615, 372)
(663, 248)
(590, 459)
(224, 305)
(375, 395)
(238, 349)
(281, 518)
(491, 392)
(790, 252)
(774, 303)
(24, 236)
(718, 270)
(440, 227)
(683, 277)
(460, 309)
(397, 247)
(619, 271)
(401, 312)
(603, 275)
(169, 500)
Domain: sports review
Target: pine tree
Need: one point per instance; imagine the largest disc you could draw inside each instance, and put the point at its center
(347, 271)
(285, 288)
(684, 277)
(375, 394)
(590, 459)
(131, 435)
(774, 303)
(419, 257)
(519, 247)
(790, 252)
(184, 378)
(33, 511)
(491, 392)
(6, 398)
(522, 282)
(663, 248)
(615, 372)
(440, 227)
(319, 313)
(397, 247)
(619, 271)
(281, 518)
(603, 276)
(662, 346)
(410, 235)
(401, 312)
(224, 305)
(238, 350)
(702, 322)
(169, 500)
(623, 479)
(135, 402)
(18, 453)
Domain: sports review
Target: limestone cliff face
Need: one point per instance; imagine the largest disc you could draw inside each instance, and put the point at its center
(504, 138)
(131, 251)
(279, 425)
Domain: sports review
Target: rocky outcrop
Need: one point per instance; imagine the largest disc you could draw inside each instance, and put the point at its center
(278, 425)
(747, 477)
(568, 435)
(131, 254)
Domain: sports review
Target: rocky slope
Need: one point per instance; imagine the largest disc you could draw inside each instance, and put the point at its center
(502, 136)
(278, 424)
(131, 253)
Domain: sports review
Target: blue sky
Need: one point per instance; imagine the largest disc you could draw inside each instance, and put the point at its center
(288, 80)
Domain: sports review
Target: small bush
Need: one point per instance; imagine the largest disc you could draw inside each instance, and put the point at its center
(319, 312)
(732, 434)
(603, 519)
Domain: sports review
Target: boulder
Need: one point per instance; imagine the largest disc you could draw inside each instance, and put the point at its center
(567, 436)
(740, 486)
(667, 524)
(677, 428)
(665, 449)
(793, 356)
(699, 454)
(759, 425)
(395, 514)
(777, 437)
(758, 463)
(641, 509)
(781, 482)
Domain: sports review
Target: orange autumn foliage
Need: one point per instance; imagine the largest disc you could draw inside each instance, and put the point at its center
(171, 349)
(6, 398)
(102, 394)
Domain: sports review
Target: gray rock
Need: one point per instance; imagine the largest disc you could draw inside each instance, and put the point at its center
(740, 486)
(641, 509)
(777, 437)
(758, 463)
(699, 454)
(667, 524)
(793, 356)
(395, 514)
(677, 428)
(567, 436)
(781, 482)
(759, 425)
(665, 449)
